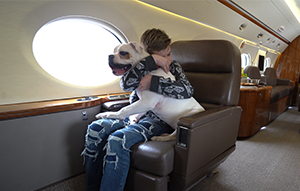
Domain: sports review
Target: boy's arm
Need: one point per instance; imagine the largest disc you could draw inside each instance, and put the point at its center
(130, 81)
(179, 89)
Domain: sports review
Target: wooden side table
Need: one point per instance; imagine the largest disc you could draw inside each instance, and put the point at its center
(255, 103)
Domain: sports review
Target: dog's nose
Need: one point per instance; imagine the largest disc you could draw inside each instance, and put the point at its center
(110, 57)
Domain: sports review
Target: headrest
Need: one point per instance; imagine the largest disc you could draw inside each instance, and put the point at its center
(270, 75)
(271, 72)
(213, 67)
(252, 72)
(208, 56)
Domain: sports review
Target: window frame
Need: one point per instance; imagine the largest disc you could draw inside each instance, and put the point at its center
(107, 26)
(247, 58)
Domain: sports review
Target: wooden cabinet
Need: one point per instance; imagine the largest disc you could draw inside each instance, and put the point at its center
(255, 109)
(278, 107)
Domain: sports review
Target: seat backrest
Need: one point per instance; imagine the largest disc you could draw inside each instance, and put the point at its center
(252, 72)
(213, 67)
(270, 76)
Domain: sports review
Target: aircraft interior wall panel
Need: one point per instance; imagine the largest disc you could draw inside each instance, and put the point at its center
(248, 49)
(23, 80)
(40, 150)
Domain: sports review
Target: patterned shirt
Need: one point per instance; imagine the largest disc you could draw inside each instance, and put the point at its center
(179, 89)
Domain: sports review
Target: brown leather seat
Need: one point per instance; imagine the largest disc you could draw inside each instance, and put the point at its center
(281, 89)
(204, 140)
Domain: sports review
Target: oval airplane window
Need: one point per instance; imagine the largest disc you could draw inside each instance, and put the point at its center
(75, 49)
(245, 60)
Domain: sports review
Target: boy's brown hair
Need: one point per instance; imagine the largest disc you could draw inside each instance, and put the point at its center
(155, 40)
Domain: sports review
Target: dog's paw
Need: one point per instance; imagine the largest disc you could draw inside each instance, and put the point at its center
(106, 115)
(158, 138)
(155, 138)
(161, 138)
(164, 137)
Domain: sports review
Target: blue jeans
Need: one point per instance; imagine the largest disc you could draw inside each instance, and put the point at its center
(107, 151)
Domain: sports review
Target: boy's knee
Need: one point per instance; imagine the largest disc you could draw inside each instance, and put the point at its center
(116, 141)
(115, 145)
(93, 138)
(97, 125)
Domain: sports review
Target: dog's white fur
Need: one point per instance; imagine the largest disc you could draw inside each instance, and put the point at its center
(168, 109)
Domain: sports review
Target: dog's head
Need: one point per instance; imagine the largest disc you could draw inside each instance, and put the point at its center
(125, 57)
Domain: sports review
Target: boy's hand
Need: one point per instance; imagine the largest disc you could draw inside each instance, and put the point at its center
(145, 82)
(162, 62)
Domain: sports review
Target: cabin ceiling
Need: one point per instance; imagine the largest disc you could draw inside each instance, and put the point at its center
(274, 14)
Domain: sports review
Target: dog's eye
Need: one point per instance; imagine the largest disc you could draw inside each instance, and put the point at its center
(122, 53)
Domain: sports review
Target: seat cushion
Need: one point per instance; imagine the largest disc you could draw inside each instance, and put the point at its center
(153, 157)
(279, 92)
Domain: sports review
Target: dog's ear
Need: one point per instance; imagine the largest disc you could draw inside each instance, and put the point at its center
(138, 48)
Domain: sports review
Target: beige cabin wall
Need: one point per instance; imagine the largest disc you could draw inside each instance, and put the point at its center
(23, 80)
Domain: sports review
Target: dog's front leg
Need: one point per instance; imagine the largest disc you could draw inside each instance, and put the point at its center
(114, 115)
(138, 107)
(121, 114)
(109, 114)
(147, 102)
(135, 108)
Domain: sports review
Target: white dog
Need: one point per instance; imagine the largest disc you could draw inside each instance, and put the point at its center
(127, 56)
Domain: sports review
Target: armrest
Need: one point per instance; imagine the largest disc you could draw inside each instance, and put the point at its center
(281, 81)
(208, 134)
(206, 116)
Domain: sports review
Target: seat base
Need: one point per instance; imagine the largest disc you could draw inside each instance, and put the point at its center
(180, 183)
(138, 180)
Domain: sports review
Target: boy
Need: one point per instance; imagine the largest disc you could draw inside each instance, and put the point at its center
(108, 141)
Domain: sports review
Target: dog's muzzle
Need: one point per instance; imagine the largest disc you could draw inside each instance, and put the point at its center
(118, 69)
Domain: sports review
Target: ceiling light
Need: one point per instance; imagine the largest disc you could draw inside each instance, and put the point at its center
(260, 35)
(242, 26)
(293, 5)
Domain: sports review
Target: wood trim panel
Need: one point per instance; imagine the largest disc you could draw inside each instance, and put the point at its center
(235, 7)
(255, 106)
(12, 111)
(288, 65)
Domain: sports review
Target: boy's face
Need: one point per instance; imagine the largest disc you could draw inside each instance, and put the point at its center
(166, 53)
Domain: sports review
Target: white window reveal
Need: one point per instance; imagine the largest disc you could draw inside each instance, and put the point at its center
(245, 60)
(75, 49)
(267, 63)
